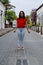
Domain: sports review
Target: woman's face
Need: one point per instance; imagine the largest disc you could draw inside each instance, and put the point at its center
(21, 14)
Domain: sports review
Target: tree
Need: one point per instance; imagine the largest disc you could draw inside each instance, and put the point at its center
(11, 15)
(5, 1)
(27, 16)
(28, 19)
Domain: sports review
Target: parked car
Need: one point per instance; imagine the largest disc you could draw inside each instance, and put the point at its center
(14, 24)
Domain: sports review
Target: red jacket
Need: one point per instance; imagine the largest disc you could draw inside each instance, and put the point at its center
(21, 22)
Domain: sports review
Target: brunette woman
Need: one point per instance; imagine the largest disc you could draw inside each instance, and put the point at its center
(21, 26)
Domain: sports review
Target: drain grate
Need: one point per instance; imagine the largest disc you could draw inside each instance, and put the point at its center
(25, 62)
(18, 62)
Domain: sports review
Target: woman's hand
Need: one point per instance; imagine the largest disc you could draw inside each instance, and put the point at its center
(14, 30)
(28, 30)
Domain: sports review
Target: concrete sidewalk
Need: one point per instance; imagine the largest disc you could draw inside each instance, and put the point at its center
(4, 31)
(37, 29)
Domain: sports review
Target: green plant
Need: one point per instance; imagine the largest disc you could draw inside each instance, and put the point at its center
(5, 1)
(30, 24)
(27, 17)
(10, 15)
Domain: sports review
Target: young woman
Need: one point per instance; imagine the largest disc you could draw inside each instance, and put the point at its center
(21, 25)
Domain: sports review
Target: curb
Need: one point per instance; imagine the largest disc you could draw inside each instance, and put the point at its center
(5, 33)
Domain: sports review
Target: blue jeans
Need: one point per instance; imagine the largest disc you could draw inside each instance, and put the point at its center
(21, 33)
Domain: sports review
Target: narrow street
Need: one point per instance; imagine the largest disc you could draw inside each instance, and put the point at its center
(31, 55)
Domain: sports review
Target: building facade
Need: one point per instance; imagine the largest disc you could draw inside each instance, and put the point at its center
(39, 11)
(2, 12)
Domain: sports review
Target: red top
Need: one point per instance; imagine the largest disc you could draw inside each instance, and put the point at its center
(21, 22)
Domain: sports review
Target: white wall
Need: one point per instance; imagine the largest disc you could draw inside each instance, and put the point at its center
(2, 8)
(39, 14)
(40, 10)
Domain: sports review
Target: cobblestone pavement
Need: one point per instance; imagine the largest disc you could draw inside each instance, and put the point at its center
(31, 55)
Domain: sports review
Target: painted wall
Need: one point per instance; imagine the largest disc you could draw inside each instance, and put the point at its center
(40, 16)
(2, 8)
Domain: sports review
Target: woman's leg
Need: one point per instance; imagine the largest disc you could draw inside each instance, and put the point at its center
(22, 36)
(21, 33)
(19, 36)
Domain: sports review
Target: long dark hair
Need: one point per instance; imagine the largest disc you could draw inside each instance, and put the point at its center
(20, 14)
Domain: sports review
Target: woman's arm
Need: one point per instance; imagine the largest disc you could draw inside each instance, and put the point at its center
(27, 27)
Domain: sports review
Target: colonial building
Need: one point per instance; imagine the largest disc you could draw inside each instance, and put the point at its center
(2, 11)
(39, 11)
